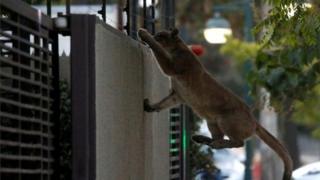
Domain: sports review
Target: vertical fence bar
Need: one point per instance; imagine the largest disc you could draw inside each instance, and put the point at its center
(49, 6)
(145, 22)
(120, 15)
(153, 17)
(168, 14)
(102, 12)
(148, 18)
(188, 117)
(104, 7)
(133, 8)
(68, 7)
(127, 27)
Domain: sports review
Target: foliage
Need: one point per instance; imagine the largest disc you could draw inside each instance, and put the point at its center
(307, 112)
(288, 63)
(199, 159)
(287, 59)
(290, 23)
(65, 131)
(316, 133)
(284, 75)
(239, 50)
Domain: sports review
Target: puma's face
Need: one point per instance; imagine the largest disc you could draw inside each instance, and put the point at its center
(168, 39)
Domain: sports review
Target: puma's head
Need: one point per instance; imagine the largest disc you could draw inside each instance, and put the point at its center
(168, 39)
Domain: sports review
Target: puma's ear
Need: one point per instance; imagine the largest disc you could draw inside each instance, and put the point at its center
(174, 32)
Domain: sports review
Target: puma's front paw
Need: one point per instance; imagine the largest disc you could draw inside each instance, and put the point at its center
(147, 106)
(201, 139)
(143, 33)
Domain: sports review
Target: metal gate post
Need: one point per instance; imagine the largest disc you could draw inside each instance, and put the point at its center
(56, 105)
(83, 97)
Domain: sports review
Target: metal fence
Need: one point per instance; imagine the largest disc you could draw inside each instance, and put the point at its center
(176, 150)
(180, 118)
(132, 14)
(26, 93)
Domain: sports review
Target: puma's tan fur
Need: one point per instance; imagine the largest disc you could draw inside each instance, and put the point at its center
(226, 113)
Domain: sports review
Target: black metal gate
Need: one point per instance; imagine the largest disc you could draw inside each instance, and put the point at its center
(26, 92)
(180, 142)
(176, 141)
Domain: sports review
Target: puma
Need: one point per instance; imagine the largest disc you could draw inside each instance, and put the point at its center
(226, 113)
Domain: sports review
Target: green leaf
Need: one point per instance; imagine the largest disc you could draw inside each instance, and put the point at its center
(316, 133)
(316, 67)
(293, 79)
(275, 75)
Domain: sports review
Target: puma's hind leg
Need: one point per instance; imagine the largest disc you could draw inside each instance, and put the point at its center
(237, 129)
(217, 141)
(200, 139)
(226, 143)
(216, 134)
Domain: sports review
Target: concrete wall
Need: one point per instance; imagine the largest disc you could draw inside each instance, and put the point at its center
(130, 144)
(156, 86)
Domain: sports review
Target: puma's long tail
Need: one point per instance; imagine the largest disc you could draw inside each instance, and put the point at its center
(273, 143)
